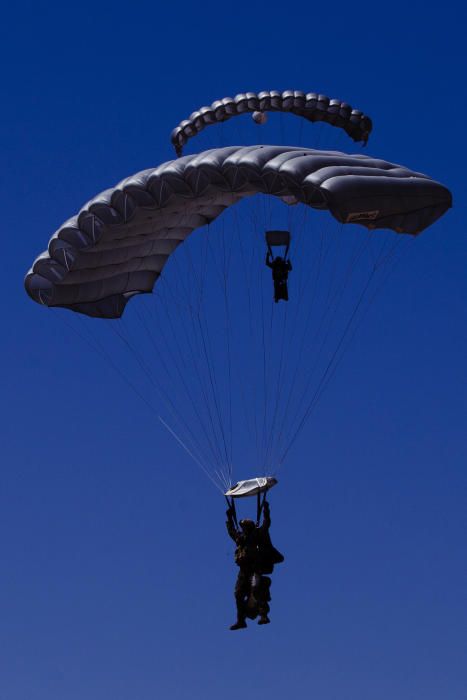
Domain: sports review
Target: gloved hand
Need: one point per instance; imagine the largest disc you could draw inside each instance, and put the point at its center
(266, 507)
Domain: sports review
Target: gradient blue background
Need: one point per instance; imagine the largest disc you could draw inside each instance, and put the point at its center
(116, 575)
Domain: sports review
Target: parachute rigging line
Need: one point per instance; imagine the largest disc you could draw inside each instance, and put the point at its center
(97, 348)
(180, 442)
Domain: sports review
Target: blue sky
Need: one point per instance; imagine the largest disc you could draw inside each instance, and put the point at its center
(117, 573)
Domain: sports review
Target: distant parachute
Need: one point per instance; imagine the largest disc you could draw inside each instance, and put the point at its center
(310, 106)
(118, 244)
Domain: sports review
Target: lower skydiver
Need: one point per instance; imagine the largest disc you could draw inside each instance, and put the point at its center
(280, 273)
(255, 556)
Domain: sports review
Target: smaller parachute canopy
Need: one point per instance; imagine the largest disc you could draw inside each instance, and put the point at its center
(309, 105)
(251, 487)
(278, 238)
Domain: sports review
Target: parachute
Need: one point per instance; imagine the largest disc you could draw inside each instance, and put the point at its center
(310, 106)
(119, 243)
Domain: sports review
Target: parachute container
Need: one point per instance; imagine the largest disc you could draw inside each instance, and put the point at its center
(251, 487)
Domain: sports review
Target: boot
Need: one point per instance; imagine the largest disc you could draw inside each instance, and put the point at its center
(239, 625)
(264, 620)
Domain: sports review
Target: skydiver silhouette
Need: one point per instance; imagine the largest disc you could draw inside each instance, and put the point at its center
(255, 556)
(280, 272)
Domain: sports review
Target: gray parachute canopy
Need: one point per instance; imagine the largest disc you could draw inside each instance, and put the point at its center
(310, 106)
(119, 242)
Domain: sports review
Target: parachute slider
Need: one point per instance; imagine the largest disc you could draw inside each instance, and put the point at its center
(278, 238)
(274, 238)
(251, 487)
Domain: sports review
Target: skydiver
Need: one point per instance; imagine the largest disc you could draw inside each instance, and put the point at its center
(280, 272)
(255, 556)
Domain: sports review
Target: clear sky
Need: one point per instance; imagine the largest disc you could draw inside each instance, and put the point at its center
(116, 570)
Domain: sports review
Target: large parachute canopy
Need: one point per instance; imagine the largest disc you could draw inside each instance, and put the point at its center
(310, 106)
(118, 244)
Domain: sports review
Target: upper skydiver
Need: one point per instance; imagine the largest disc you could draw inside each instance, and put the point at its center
(280, 272)
(255, 556)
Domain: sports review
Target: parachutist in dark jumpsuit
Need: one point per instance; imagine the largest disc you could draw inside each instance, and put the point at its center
(280, 272)
(254, 556)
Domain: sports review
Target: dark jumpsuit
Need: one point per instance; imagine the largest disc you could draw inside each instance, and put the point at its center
(250, 581)
(280, 272)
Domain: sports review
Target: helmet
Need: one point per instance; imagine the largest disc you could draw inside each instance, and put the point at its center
(247, 525)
